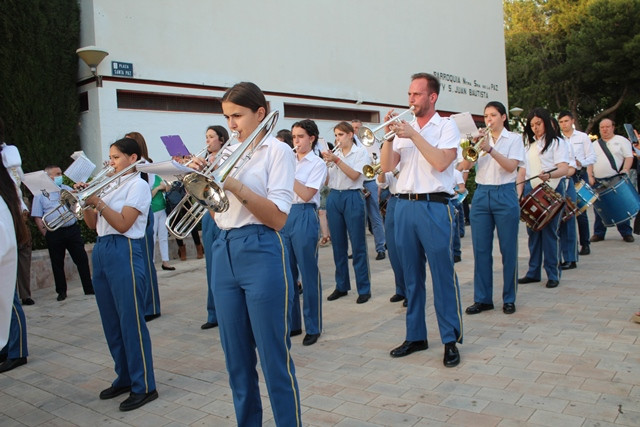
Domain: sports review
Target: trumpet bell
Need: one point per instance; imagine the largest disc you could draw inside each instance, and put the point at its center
(207, 191)
(470, 154)
(366, 136)
(370, 171)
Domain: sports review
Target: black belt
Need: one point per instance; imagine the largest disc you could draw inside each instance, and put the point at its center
(429, 197)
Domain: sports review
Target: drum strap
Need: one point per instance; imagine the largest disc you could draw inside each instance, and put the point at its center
(605, 150)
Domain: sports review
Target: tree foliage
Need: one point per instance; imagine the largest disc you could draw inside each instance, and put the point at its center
(38, 94)
(578, 55)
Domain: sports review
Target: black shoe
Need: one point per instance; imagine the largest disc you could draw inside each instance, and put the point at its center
(628, 238)
(62, 296)
(396, 298)
(478, 307)
(409, 347)
(526, 279)
(111, 392)
(310, 339)
(209, 325)
(135, 400)
(596, 238)
(10, 364)
(405, 303)
(28, 301)
(381, 255)
(295, 332)
(150, 317)
(552, 283)
(457, 258)
(336, 294)
(169, 268)
(3, 357)
(90, 292)
(509, 308)
(363, 298)
(585, 250)
(451, 355)
(568, 265)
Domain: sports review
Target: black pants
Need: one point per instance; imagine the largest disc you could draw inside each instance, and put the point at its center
(68, 239)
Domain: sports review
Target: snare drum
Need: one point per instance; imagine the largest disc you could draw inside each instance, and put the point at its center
(540, 206)
(586, 196)
(570, 209)
(617, 200)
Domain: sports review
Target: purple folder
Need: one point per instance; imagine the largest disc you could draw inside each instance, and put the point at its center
(174, 145)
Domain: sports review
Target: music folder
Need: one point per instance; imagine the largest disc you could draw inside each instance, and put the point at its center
(465, 124)
(39, 183)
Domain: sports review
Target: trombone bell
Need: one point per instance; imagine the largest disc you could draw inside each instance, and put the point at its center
(206, 191)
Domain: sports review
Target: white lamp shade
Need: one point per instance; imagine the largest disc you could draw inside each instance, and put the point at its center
(91, 55)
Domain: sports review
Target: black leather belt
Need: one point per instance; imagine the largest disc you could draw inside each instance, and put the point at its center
(429, 197)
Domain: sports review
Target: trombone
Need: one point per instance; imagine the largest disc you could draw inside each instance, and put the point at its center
(369, 136)
(472, 152)
(205, 190)
(73, 204)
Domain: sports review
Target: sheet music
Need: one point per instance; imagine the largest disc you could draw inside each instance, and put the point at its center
(39, 183)
(169, 170)
(465, 124)
(80, 170)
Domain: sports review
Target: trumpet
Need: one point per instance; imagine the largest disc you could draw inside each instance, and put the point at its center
(369, 136)
(370, 171)
(73, 204)
(472, 152)
(335, 148)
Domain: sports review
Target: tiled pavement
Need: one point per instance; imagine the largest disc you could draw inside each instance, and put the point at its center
(569, 356)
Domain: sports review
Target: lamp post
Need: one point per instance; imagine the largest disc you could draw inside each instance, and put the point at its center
(515, 113)
(92, 56)
(638, 105)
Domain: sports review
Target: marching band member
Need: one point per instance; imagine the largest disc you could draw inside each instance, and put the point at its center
(425, 152)
(216, 136)
(152, 291)
(389, 180)
(302, 229)
(544, 152)
(120, 219)
(495, 206)
(252, 285)
(346, 212)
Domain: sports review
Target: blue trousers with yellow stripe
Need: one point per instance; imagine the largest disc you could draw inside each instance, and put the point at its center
(253, 293)
(545, 244)
(347, 218)
(424, 231)
(302, 230)
(392, 248)
(152, 293)
(210, 232)
(118, 280)
(568, 230)
(17, 345)
(495, 207)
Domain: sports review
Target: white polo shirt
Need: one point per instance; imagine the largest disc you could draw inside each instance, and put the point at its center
(620, 148)
(311, 171)
(133, 193)
(582, 147)
(269, 173)
(357, 158)
(416, 173)
(489, 171)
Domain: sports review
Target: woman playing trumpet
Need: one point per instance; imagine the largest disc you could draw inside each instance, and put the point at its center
(495, 206)
(346, 212)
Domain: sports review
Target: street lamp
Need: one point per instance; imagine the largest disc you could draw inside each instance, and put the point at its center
(638, 105)
(515, 113)
(92, 56)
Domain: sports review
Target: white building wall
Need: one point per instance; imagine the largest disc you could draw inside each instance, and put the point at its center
(356, 54)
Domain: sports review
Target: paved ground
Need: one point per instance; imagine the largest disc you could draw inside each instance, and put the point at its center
(568, 356)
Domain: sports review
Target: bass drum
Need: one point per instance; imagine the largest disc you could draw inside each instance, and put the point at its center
(540, 206)
(618, 200)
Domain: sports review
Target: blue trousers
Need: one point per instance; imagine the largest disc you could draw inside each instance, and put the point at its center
(392, 248)
(152, 293)
(346, 217)
(583, 218)
(461, 220)
(17, 345)
(302, 230)
(253, 293)
(425, 230)
(568, 232)
(118, 280)
(210, 232)
(373, 212)
(495, 207)
(545, 244)
(457, 208)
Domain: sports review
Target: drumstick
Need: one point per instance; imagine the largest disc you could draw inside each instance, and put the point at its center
(534, 177)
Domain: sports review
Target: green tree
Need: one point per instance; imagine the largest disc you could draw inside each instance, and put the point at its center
(580, 55)
(38, 93)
